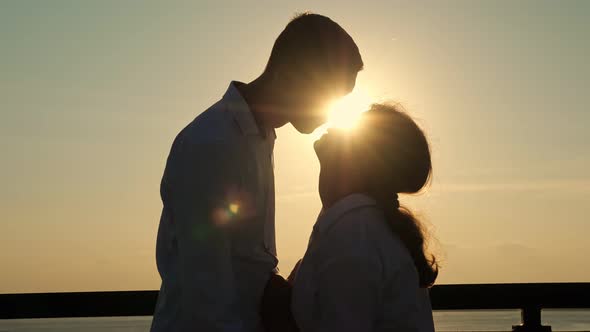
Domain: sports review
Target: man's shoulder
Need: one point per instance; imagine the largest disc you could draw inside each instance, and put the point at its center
(213, 126)
(210, 136)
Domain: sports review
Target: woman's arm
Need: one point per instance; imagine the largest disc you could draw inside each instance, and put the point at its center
(348, 294)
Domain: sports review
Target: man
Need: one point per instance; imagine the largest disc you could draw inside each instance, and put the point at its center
(216, 240)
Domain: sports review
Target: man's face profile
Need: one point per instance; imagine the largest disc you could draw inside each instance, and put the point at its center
(310, 109)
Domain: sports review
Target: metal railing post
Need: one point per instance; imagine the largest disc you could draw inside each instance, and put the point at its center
(531, 321)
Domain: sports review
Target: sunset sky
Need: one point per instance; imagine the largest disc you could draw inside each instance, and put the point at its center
(93, 93)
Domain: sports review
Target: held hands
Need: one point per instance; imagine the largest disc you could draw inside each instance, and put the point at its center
(275, 309)
(293, 274)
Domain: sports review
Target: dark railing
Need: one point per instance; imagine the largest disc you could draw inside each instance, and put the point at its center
(529, 298)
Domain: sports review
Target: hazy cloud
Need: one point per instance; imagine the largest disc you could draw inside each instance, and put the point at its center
(582, 185)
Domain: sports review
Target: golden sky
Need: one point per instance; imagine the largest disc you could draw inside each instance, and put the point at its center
(92, 95)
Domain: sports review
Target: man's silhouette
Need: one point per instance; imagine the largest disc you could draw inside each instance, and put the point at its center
(216, 239)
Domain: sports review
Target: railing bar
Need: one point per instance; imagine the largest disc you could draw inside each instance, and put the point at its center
(443, 297)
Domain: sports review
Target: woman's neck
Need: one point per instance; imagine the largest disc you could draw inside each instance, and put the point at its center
(330, 194)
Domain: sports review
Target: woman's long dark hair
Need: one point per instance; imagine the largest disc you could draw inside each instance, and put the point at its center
(409, 229)
(398, 161)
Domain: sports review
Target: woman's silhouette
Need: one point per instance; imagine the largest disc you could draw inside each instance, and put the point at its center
(366, 268)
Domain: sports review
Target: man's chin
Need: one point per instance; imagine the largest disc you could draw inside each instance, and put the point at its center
(307, 128)
(304, 129)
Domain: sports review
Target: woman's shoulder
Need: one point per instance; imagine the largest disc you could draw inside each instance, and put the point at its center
(366, 230)
(359, 225)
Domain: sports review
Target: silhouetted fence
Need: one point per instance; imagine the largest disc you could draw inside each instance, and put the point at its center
(529, 298)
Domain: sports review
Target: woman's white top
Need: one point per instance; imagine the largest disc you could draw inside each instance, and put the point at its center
(357, 275)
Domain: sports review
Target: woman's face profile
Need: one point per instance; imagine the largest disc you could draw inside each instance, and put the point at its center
(332, 145)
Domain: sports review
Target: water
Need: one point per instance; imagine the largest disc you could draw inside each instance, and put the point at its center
(560, 320)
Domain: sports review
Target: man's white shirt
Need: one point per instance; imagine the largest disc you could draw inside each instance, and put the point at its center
(216, 240)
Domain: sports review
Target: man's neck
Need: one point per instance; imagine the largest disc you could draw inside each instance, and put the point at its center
(264, 108)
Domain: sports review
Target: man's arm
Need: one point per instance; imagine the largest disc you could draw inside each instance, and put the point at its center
(200, 178)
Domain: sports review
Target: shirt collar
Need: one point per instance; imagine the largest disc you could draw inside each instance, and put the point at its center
(330, 216)
(241, 112)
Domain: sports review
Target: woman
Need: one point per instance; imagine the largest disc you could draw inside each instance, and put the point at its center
(365, 268)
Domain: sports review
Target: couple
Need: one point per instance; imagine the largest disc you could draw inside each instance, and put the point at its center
(365, 268)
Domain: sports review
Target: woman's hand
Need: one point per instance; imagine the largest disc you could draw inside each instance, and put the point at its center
(293, 274)
(275, 309)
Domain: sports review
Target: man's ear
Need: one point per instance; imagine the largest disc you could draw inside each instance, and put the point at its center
(277, 74)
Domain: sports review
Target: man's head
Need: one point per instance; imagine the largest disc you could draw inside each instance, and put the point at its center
(313, 61)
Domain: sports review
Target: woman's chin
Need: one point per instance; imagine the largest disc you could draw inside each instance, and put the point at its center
(319, 143)
(316, 145)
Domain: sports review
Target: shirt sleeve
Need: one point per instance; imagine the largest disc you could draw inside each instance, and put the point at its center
(201, 180)
(348, 294)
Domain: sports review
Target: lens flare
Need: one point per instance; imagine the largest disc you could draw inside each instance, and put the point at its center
(234, 208)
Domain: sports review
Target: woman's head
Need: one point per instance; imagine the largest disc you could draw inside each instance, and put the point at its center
(386, 154)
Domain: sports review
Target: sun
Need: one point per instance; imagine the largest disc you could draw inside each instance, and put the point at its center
(345, 112)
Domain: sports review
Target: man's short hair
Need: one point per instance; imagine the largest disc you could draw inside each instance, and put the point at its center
(315, 41)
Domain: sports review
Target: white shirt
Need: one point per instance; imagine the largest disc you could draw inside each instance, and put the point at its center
(358, 276)
(216, 239)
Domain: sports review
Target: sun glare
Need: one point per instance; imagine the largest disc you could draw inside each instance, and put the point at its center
(345, 112)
